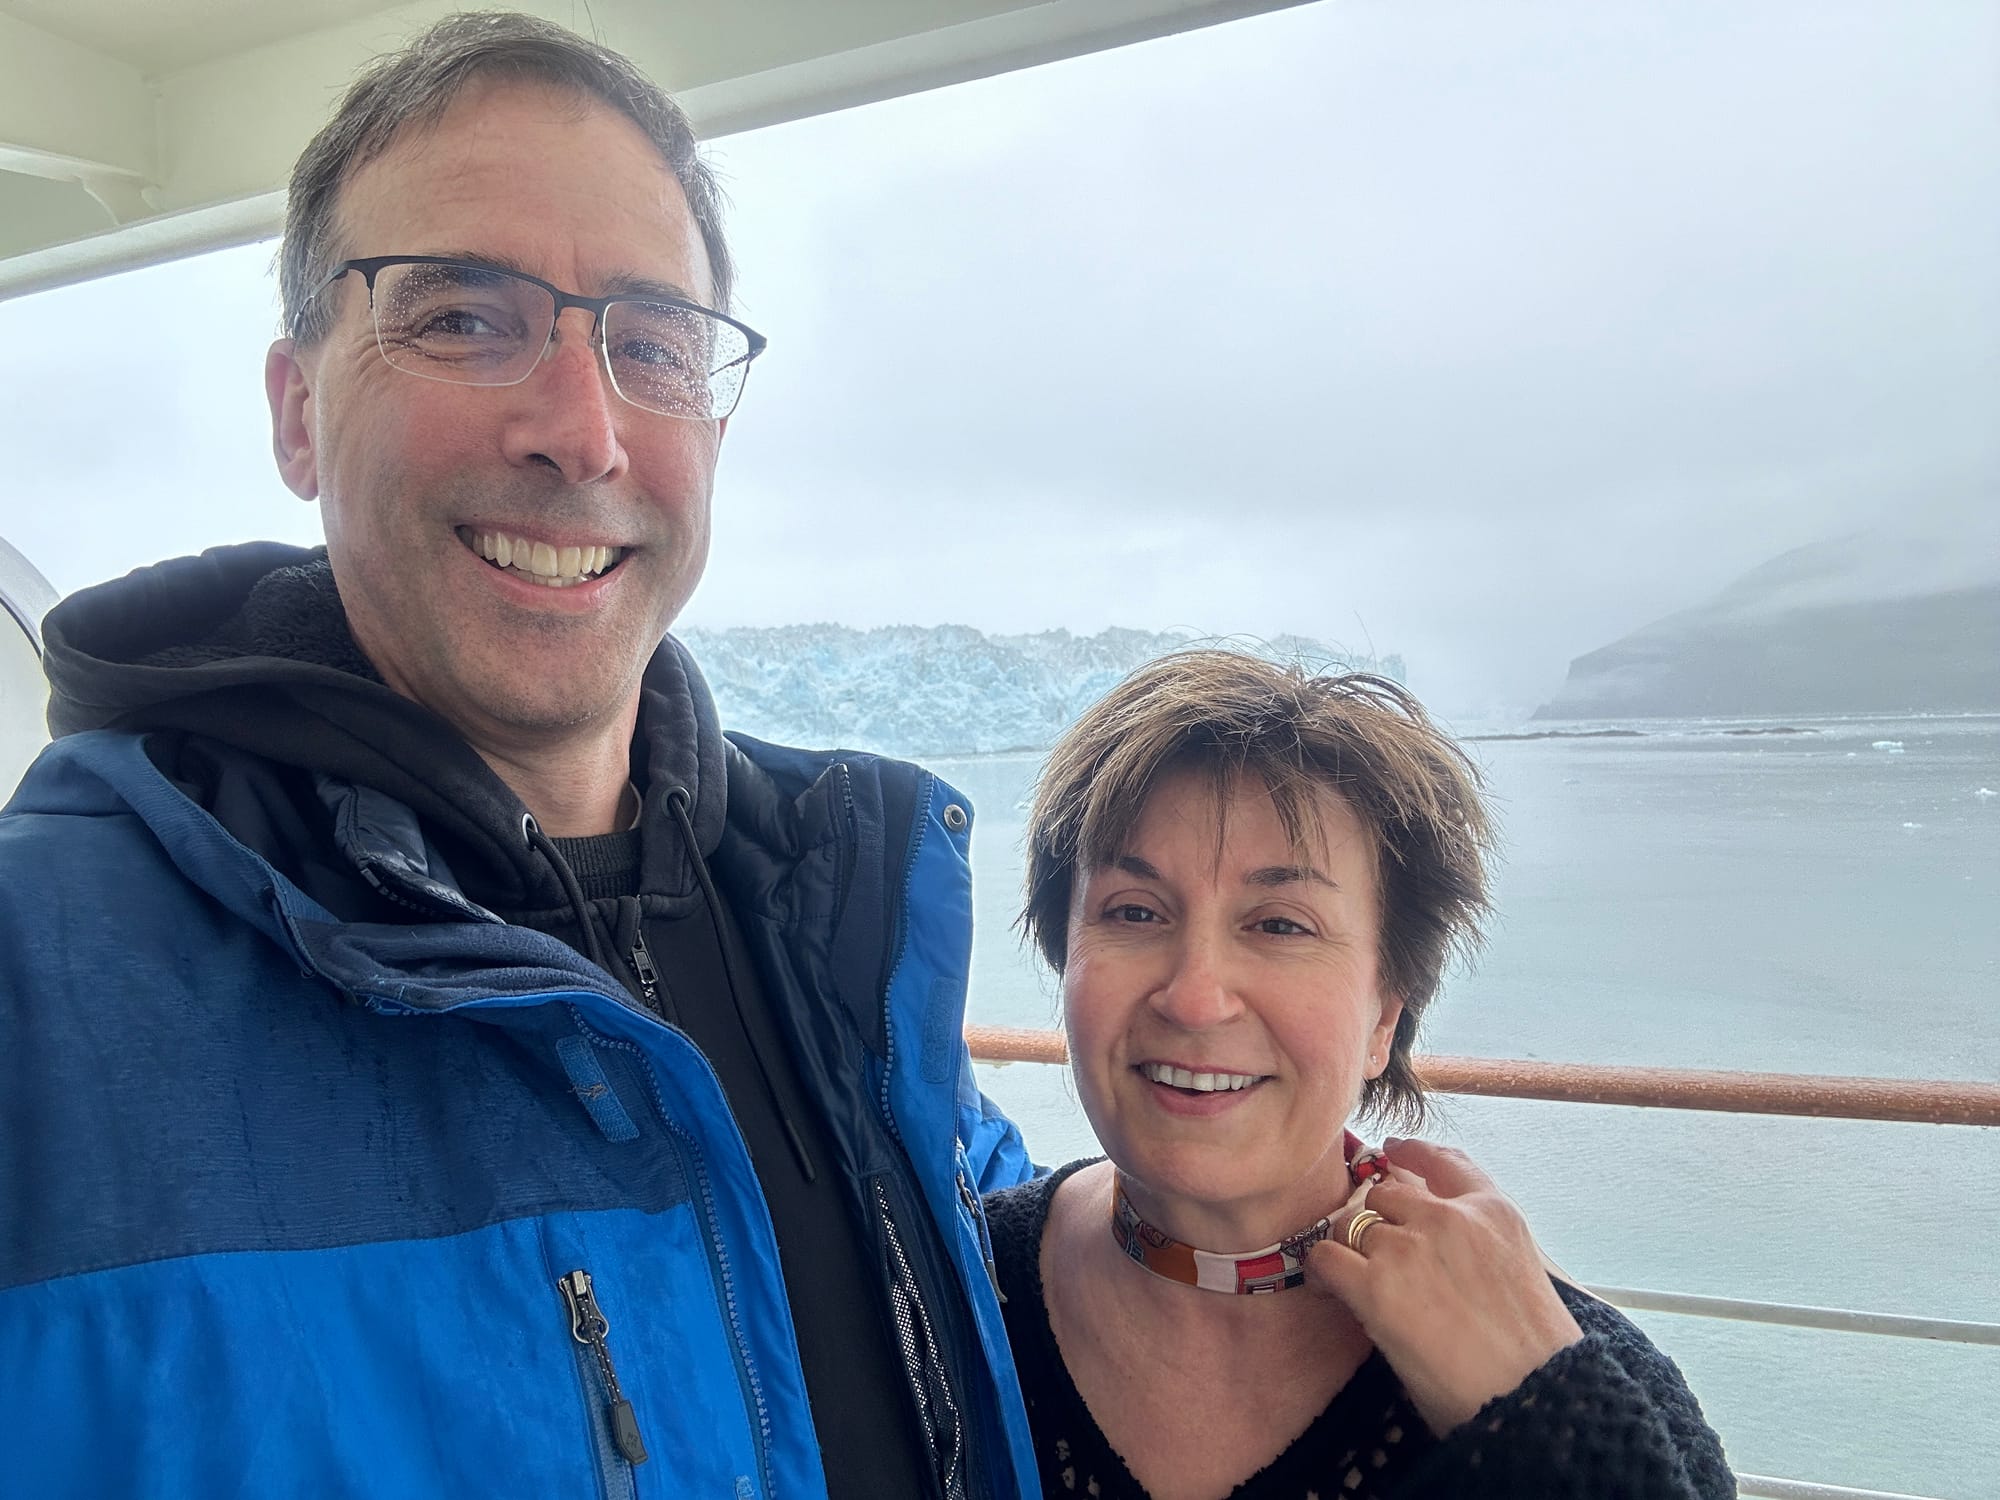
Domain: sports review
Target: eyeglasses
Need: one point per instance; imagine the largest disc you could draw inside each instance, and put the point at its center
(471, 324)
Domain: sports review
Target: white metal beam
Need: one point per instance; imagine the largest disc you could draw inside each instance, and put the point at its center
(196, 159)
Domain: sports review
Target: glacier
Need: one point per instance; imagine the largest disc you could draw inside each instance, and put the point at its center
(943, 690)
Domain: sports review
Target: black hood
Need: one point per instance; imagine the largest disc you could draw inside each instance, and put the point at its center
(248, 647)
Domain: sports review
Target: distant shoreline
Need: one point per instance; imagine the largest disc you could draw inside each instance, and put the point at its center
(1640, 729)
(1612, 734)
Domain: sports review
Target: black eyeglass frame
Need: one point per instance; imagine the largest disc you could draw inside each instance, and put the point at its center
(372, 265)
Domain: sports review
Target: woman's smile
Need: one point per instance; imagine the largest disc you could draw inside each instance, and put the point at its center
(1196, 1093)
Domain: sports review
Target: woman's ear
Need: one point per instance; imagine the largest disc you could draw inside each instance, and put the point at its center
(288, 388)
(1383, 1037)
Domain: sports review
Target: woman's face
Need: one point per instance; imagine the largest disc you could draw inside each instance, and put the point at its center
(1223, 1013)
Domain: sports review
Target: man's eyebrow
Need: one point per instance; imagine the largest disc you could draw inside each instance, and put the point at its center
(1274, 875)
(630, 284)
(485, 259)
(618, 284)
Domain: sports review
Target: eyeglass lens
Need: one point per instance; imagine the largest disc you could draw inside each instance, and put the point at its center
(476, 326)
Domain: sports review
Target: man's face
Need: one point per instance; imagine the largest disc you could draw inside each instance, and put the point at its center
(413, 475)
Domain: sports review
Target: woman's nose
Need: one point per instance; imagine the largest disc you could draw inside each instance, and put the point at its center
(1198, 991)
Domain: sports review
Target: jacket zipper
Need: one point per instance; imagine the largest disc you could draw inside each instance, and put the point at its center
(642, 965)
(724, 1284)
(971, 1201)
(590, 1328)
(923, 1361)
(848, 852)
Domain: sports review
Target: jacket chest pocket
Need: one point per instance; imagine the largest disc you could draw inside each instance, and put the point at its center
(660, 1370)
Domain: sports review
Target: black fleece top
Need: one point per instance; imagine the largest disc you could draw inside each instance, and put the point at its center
(1608, 1417)
(240, 666)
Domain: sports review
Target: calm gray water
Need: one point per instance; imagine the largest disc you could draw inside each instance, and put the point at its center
(1816, 902)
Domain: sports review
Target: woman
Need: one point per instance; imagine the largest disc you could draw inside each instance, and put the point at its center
(1249, 880)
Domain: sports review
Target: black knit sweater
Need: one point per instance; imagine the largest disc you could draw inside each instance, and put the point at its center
(1608, 1417)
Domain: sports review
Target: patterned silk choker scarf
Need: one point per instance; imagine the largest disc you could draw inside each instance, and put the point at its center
(1276, 1268)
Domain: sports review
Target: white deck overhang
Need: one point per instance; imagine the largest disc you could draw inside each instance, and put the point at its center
(136, 131)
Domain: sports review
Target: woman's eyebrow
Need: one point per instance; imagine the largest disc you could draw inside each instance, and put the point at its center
(1289, 875)
(1269, 875)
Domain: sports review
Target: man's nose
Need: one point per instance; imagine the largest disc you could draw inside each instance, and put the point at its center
(567, 416)
(1199, 990)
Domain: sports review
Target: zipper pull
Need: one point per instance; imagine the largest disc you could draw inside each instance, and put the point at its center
(971, 1201)
(649, 977)
(589, 1327)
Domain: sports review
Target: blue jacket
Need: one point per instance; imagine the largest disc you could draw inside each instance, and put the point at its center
(286, 1201)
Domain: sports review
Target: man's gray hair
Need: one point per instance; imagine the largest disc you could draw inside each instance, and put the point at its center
(416, 86)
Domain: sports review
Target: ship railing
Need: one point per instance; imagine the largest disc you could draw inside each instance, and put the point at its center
(1920, 1101)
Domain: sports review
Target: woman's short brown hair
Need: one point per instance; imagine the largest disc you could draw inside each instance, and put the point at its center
(1229, 715)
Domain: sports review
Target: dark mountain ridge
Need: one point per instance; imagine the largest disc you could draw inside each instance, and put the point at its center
(1867, 624)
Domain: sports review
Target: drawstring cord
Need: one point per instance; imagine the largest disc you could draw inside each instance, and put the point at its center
(677, 803)
(579, 908)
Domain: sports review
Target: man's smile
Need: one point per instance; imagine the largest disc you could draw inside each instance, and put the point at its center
(555, 566)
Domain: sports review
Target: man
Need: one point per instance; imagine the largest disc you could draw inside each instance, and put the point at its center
(433, 1059)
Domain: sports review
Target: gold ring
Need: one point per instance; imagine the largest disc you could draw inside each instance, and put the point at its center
(1359, 1225)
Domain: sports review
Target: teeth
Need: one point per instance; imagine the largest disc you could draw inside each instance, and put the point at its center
(1206, 1083)
(539, 561)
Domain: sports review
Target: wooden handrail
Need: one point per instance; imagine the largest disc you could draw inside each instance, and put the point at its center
(1922, 1101)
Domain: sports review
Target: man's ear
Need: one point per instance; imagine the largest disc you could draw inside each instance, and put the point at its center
(288, 389)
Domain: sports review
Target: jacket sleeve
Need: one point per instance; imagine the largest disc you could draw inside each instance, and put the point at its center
(993, 1144)
(1608, 1416)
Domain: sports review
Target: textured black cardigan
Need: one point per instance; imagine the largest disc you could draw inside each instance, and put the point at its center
(1607, 1417)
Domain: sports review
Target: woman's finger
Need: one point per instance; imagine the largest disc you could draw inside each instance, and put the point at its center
(1342, 1271)
(1448, 1173)
(1404, 1174)
(1399, 1198)
(1335, 1271)
(1357, 1226)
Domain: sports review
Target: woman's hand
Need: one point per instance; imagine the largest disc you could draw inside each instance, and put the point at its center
(1450, 1285)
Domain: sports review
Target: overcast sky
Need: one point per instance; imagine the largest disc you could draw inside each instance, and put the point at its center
(1483, 334)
